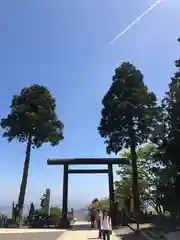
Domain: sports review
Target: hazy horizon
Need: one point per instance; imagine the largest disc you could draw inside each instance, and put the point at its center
(7, 209)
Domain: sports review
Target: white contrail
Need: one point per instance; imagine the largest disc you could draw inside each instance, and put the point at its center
(136, 20)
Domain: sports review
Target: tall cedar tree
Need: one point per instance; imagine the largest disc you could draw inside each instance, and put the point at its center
(171, 117)
(127, 116)
(32, 119)
(170, 186)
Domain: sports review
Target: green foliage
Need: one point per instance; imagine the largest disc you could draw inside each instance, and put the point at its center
(99, 204)
(169, 151)
(32, 119)
(148, 175)
(55, 212)
(171, 110)
(145, 165)
(44, 211)
(128, 109)
(33, 112)
(128, 116)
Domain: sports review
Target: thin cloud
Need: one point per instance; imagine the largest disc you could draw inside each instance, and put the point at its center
(135, 21)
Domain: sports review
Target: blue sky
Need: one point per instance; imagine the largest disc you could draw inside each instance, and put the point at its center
(65, 46)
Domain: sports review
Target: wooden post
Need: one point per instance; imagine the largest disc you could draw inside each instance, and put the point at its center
(111, 193)
(65, 194)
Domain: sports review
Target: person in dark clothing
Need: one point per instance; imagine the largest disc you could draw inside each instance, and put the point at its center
(92, 216)
(98, 221)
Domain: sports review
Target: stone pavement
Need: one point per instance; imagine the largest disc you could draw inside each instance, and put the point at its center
(173, 236)
(125, 233)
(80, 231)
(30, 230)
(30, 234)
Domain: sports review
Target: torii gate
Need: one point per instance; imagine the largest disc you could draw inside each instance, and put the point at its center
(86, 161)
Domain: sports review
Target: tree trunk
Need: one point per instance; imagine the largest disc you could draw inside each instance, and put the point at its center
(135, 187)
(24, 180)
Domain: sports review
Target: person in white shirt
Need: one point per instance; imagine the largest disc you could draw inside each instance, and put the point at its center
(106, 225)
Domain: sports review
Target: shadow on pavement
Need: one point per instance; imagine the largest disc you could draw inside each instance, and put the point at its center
(131, 236)
(152, 232)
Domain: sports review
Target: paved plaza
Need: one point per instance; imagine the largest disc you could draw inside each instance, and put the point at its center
(80, 231)
(31, 236)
